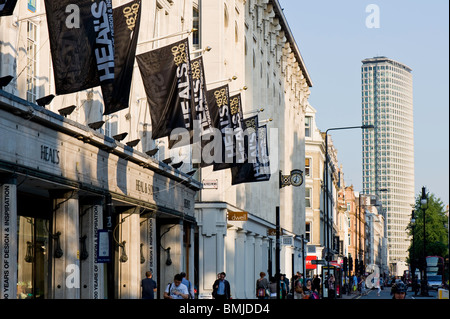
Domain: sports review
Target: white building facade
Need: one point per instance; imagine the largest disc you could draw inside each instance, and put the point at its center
(252, 40)
(69, 186)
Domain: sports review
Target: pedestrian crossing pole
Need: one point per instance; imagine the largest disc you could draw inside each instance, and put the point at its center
(277, 255)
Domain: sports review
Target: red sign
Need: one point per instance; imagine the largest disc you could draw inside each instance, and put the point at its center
(309, 265)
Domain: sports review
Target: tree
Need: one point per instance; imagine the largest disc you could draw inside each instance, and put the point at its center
(436, 231)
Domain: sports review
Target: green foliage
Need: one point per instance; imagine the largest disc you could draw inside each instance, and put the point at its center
(436, 229)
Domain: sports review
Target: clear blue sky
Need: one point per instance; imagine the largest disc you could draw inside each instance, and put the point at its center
(333, 39)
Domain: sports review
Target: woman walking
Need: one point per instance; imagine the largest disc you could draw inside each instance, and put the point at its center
(262, 286)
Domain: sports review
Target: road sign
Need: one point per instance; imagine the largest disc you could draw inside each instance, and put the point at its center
(318, 262)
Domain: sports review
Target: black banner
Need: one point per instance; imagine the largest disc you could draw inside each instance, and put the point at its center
(219, 107)
(257, 166)
(127, 19)
(203, 123)
(166, 73)
(237, 116)
(82, 43)
(7, 7)
(263, 155)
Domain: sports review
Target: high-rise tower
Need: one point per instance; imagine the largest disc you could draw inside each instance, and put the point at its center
(388, 150)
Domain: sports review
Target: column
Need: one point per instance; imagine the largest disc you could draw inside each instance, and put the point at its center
(92, 272)
(259, 265)
(65, 245)
(240, 264)
(250, 279)
(171, 237)
(265, 255)
(8, 237)
(128, 270)
(230, 261)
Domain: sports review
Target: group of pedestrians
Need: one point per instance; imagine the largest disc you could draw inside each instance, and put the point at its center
(180, 288)
(297, 288)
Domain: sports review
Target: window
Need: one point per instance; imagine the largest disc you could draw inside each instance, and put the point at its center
(308, 120)
(196, 25)
(308, 232)
(308, 197)
(31, 62)
(307, 167)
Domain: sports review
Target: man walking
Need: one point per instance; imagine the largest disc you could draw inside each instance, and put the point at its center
(176, 290)
(221, 288)
(148, 286)
(189, 285)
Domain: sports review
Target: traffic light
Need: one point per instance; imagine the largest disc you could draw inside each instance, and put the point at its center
(356, 265)
(361, 266)
(350, 264)
(345, 264)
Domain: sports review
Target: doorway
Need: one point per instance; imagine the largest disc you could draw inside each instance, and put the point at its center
(34, 246)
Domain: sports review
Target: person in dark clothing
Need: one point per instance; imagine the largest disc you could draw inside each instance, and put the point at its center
(221, 288)
(316, 282)
(148, 286)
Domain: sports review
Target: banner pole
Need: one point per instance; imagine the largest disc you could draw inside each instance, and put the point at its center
(168, 36)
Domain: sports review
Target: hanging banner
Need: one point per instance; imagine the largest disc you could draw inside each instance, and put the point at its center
(263, 155)
(82, 43)
(219, 106)
(7, 7)
(166, 73)
(203, 125)
(127, 20)
(236, 122)
(255, 140)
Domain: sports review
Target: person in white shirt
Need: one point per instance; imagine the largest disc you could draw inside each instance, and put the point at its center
(176, 290)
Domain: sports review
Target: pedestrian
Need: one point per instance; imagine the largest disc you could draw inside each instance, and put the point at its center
(262, 286)
(283, 287)
(308, 289)
(221, 288)
(189, 285)
(176, 290)
(363, 285)
(273, 288)
(286, 282)
(331, 283)
(355, 283)
(316, 282)
(378, 285)
(148, 286)
(399, 290)
(298, 289)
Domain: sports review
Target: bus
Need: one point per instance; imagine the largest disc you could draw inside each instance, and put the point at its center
(435, 271)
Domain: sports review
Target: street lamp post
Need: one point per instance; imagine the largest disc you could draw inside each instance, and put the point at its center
(424, 206)
(325, 193)
(412, 261)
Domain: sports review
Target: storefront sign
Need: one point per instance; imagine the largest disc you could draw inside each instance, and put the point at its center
(49, 154)
(104, 250)
(6, 239)
(237, 216)
(311, 262)
(8, 246)
(210, 184)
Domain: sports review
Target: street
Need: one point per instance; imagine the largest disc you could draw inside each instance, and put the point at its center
(386, 294)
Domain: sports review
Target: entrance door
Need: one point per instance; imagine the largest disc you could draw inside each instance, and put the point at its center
(33, 258)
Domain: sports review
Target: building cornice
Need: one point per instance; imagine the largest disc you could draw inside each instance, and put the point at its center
(290, 38)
